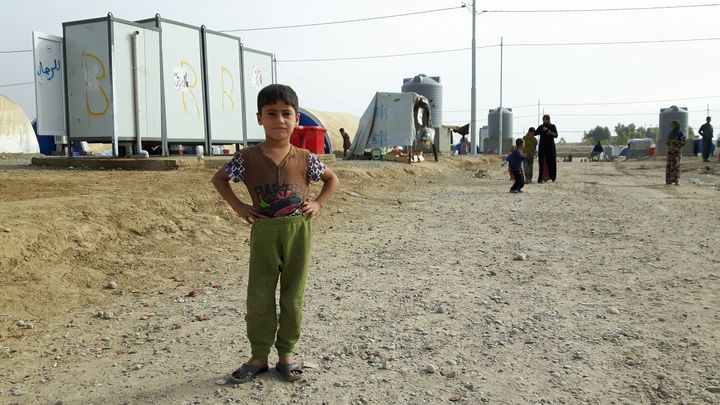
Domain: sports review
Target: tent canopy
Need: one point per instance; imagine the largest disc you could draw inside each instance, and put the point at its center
(16, 132)
(332, 122)
(391, 119)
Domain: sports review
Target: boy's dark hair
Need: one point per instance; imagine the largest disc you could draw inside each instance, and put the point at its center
(277, 92)
(342, 129)
(546, 116)
(532, 129)
(519, 142)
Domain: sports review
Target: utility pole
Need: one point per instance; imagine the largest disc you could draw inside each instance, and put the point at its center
(500, 121)
(473, 101)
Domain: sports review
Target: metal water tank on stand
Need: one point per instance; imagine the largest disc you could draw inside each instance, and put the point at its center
(494, 130)
(667, 115)
(430, 88)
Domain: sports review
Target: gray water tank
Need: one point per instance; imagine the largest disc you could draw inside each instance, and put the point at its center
(494, 123)
(431, 88)
(667, 115)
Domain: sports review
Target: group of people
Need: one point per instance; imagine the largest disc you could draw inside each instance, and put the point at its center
(522, 157)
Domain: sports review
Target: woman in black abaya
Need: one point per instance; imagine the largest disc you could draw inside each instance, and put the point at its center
(546, 150)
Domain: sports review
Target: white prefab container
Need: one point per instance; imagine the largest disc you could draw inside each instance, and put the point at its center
(258, 72)
(49, 85)
(100, 81)
(223, 88)
(182, 78)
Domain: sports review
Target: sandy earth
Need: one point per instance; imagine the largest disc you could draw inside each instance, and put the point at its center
(414, 294)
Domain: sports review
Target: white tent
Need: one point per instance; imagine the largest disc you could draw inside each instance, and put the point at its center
(391, 119)
(16, 132)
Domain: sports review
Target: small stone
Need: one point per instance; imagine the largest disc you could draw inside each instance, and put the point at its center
(111, 286)
(386, 366)
(221, 381)
(138, 366)
(451, 362)
(430, 369)
(521, 257)
(613, 311)
(339, 384)
(16, 392)
(715, 389)
(6, 230)
(107, 315)
(451, 374)
(24, 325)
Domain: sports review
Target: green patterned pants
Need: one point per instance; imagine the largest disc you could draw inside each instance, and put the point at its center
(279, 248)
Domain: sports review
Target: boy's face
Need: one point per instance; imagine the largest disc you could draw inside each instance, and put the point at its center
(278, 120)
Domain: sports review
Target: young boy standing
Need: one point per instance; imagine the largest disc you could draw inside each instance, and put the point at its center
(277, 176)
(515, 161)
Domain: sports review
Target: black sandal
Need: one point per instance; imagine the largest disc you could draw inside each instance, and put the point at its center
(285, 371)
(246, 373)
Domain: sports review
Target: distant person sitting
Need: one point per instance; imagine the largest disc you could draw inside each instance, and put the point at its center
(706, 130)
(346, 141)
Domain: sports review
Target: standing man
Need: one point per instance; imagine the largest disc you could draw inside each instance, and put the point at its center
(546, 150)
(706, 130)
(530, 145)
(346, 142)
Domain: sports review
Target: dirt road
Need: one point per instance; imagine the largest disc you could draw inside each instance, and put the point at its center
(415, 294)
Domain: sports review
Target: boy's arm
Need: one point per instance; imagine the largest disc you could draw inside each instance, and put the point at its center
(221, 181)
(330, 184)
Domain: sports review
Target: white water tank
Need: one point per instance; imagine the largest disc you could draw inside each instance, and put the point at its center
(430, 87)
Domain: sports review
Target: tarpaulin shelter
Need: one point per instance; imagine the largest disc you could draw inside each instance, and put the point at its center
(16, 132)
(392, 119)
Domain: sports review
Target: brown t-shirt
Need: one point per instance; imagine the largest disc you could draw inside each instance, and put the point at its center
(276, 190)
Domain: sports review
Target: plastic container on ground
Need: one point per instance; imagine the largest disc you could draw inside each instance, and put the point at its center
(310, 138)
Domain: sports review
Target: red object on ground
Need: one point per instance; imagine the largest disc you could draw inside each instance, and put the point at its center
(310, 138)
(193, 293)
(651, 151)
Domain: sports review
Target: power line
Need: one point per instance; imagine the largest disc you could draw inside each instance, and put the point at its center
(658, 41)
(17, 51)
(281, 27)
(631, 102)
(395, 55)
(15, 84)
(600, 10)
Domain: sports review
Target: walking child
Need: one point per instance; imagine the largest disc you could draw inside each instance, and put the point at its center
(515, 160)
(277, 176)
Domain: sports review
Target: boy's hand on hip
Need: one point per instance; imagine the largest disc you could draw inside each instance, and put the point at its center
(311, 208)
(247, 212)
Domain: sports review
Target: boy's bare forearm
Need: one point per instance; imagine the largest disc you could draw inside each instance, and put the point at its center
(222, 185)
(330, 184)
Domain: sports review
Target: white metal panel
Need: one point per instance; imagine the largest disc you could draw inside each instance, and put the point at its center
(149, 101)
(89, 89)
(257, 73)
(152, 79)
(224, 87)
(183, 83)
(49, 84)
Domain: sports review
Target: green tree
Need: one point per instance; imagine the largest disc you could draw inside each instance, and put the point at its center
(625, 132)
(597, 134)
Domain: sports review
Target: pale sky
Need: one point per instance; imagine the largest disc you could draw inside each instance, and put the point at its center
(675, 72)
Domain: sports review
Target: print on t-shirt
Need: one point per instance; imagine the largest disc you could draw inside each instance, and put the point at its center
(279, 200)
